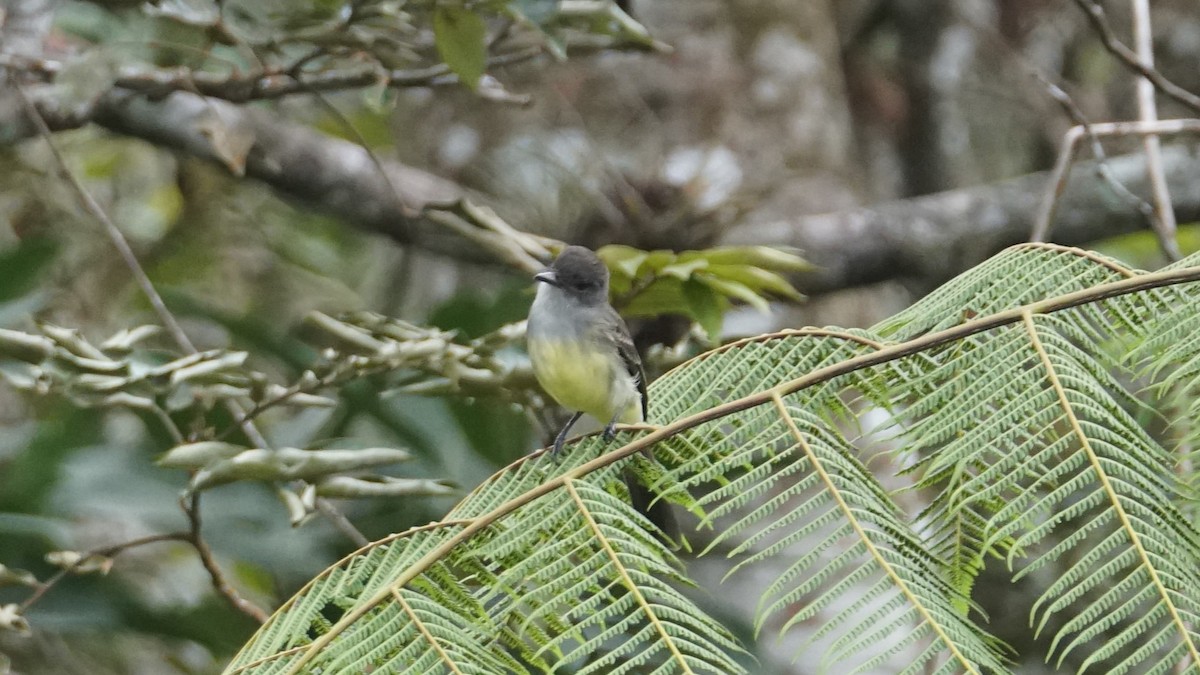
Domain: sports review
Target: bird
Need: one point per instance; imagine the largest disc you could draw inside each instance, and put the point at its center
(584, 358)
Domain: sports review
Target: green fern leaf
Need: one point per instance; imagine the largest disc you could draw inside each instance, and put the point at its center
(1012, 407)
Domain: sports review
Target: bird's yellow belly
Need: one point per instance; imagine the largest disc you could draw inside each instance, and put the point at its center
(577, 379)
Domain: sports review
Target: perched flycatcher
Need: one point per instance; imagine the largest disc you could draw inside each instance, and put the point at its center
(583, 357)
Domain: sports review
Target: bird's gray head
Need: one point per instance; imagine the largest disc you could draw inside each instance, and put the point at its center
(579, 273)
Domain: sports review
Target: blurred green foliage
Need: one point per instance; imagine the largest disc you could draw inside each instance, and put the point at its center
(701, 285)
(84, 417)
(1142, 249)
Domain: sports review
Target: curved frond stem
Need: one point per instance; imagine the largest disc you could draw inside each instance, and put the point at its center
(1092, 256)
(412, 616)
(862, 535)
(626, 580)
(1105, 481)
(268, 659)
(889, 353)
(790, 332)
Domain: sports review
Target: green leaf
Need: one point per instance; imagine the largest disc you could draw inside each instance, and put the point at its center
(25, 347)
(704, 306)
(21, 267)
(766, 257)
(683, 270)
(224, 362)
(625, 259)
(126, 339)
(293, 464)
(746, 273)
(664, 296)
(735, 290)
(758, 279)
(460, 38)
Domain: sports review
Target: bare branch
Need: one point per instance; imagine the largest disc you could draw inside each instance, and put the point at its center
(191, 506)
(1099, 21)
(110, 551)
(1164, 216)
(1071, 139)
(931, 238)
(1066, 156)
(269, 84)
(1102, 168)
(409, 205)
(143, 280)
(110, 229)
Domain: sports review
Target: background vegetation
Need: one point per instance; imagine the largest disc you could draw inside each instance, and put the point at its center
(287, 174)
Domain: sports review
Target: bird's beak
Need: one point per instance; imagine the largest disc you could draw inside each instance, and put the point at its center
(546, 276)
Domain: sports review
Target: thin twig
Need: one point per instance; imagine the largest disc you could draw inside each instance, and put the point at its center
(341, 522)
(361, 140)
(191, 506)
(169, 424)
(470, 222)
(114, 234)
(1059, 175)
(302, 387)
(1070, 145)
(1164, 215)
(1095, 14)
(147, 287)
(1103, 169)
(109, 551)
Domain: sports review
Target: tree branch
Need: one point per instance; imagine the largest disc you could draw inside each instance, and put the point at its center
(406, 204)
(1095, 14)
(1061, 172)
(267, 85)
(934, 237)
(110, 551)
(1164, 217)
(930, 238)
(191, 507)
(110, 228)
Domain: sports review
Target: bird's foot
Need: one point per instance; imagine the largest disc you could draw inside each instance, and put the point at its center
(610, 432)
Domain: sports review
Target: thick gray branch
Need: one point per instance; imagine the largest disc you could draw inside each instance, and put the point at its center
(928, 239)
(338, 176)
(934, 237)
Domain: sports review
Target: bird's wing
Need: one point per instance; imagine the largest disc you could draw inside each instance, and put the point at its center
(618, 335)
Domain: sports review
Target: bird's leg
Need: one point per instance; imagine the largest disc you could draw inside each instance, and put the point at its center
(610, 431)
(562, 435)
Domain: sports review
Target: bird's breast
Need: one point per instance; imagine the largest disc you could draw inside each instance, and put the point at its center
(578, 378)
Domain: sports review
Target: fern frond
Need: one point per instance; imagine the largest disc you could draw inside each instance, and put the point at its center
(1018, 421)
(1057, 444)
(1168, 357)
(1018, 275)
